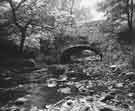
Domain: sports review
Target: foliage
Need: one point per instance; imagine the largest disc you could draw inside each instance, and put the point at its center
(46, 19)
(26, 17)
(119, 11)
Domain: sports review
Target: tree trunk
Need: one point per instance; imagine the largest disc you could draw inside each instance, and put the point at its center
(130, 11)
(23, 37)
(130, 26)
(131, 18)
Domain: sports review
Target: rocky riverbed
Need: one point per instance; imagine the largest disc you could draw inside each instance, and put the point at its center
(84, 86)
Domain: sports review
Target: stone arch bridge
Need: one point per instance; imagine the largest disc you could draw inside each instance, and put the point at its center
(66, 53)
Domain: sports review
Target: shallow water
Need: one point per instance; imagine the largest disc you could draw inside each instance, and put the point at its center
(40, 88)
(45, 86)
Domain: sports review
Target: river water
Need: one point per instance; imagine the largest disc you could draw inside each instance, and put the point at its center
(41, 86)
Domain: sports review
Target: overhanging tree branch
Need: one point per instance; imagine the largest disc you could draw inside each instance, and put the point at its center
(28, 23)
(20, 3)
(14, 13)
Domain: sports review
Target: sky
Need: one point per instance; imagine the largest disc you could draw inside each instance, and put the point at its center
(92, 5)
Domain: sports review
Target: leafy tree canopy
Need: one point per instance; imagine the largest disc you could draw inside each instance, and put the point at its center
(119, 10)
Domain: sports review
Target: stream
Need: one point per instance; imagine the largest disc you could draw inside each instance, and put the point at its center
(44, 87)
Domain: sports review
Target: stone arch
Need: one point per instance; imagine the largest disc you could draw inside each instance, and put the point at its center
(68, 51)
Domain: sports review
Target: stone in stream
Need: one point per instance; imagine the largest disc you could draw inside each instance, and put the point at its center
(57, 69)
(83, 104)
(25, 63)
(29, 63)
(130, 76)
(21, 101)
(67, 106)
(65, 90)
(107, 97)
(52, 82)
(106, 109)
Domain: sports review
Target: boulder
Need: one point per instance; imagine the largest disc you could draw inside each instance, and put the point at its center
(28, 63)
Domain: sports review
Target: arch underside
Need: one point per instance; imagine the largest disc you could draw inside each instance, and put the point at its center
(67, 52)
